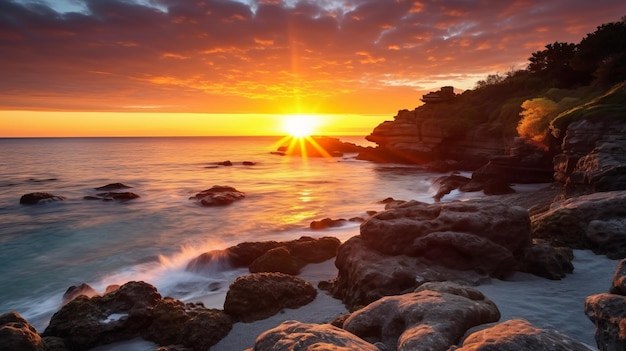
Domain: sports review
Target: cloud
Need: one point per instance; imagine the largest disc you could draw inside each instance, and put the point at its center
(270, 56)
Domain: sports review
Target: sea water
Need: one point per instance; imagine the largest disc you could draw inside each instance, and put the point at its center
(46, 248)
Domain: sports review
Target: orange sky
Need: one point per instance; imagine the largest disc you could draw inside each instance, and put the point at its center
(253, 58)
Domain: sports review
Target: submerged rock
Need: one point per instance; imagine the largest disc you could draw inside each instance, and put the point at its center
(293, 335)
(260, 295)
(218, 195)
(113, 186)
(113, 196)
(327, 223)
(39, 197)
(17, 334)
(431, 318)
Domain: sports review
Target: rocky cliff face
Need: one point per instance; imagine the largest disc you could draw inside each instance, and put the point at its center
(593, 156)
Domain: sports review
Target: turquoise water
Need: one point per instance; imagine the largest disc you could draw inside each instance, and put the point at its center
(44, 249)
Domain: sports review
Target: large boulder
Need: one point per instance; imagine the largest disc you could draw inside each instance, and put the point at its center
(260, 295)
(486, 236)
(39, 198)
(218, 195)
(432, 318)
(87, 322)
(188, 324)
(17, 334)
(594, 221)
(293, 335)
(518, 334)
(365, 275)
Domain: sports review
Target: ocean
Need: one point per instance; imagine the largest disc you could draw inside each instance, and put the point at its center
(46, 248)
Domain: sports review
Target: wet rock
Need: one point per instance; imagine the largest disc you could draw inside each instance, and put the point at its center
(497, 187)
(302, 251)
(448, 183)
(608, 314)
(248, 163)
(113, 196)
(293, 335)
(276, 260)
(17, 334)
(86, 322)
(546, 261)
(518, 334)
(594, 221)
(225, 163)
(422, 320)
(187, 324)
(260, 295)
(327, 223)
(218, 196)
(113, 186)
(74, 291)
(619, 279)
(39, 198)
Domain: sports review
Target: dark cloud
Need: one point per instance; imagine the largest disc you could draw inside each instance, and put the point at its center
(237, 56)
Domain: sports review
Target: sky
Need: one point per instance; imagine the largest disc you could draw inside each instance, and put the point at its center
(198, 67)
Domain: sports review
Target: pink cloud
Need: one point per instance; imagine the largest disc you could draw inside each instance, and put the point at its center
(228, 56)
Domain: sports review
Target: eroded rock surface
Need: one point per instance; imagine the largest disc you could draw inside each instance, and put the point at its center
(428, 319)
(294, 335)
(518, 334)
(594, 221)
(260, 295)
(17, 334)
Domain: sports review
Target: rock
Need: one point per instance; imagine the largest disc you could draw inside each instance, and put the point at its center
(423, 320)
(423, 136)
(518, 334)
(497, 187)
(218, 196)
(365, 275)
(327, 223)
(293, 335)
(593, 157)
(113, 196)
(190, 325)
(74, 291)
(225, 163)
(546, 261)
(318, 146)
(276, 260)
(248, 163)
(447, 184)
(486, 236)
(302, 251)
(525, 163)
(39, 197)
(594, 221)
(260, 295)
(608, 313)
(86, 322)
(17, 334)
(619, 279)
(113, 186)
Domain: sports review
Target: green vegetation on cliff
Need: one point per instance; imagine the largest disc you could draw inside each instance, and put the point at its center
(562, 83)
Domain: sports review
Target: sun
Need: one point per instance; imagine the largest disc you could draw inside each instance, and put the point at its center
(300, 126)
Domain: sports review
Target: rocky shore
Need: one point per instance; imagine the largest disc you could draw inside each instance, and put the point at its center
(411, 278)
